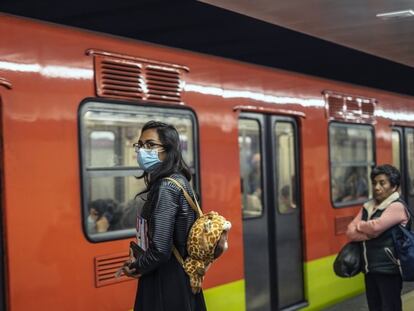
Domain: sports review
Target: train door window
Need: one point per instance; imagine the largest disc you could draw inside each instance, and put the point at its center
(251, 167)
(398, 158)
(409, 145)
(109, 163)
(351, 160)
(396, 149)
(287, 215)
(2, 222)
(285, 167)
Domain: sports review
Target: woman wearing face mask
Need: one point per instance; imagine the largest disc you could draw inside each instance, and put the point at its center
(164, 222)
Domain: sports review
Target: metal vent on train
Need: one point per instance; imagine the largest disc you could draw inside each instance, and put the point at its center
(138, 80)
(106, 268)
(350, 108)
(163, 84)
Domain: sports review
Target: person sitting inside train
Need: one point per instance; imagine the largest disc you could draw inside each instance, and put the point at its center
(353, 187)
(130, 210)
(286, 203)
(104, 215)
(254, 185)
(255, 175)
(356, 185)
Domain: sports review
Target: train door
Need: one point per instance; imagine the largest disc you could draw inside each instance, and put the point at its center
(2, 229)
(403, 159)
(271, 212)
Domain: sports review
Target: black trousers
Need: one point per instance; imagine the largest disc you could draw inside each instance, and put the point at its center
(383, 291)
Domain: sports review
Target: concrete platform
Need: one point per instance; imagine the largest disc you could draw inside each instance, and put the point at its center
(359, 303)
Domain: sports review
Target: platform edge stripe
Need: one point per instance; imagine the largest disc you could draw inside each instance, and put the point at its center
(227, 297)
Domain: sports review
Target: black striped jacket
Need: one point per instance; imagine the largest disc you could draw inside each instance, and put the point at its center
(169, 222)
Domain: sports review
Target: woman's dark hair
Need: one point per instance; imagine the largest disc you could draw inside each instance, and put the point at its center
(173, 162)
(390, 171)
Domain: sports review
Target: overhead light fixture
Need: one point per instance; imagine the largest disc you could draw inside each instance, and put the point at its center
(396, 14)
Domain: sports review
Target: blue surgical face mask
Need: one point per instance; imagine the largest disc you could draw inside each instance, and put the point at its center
(147, 159)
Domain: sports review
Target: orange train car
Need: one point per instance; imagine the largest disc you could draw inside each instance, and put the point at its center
(286, 157)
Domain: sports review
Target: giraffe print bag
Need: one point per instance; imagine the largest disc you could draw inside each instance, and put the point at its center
(207, 240)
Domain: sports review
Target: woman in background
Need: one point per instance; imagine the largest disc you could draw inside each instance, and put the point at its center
(373, 226)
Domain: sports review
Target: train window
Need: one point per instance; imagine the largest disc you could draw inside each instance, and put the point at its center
(251, 168)
(109, 163)
(286, 171)
(352, 157)
(396, 146)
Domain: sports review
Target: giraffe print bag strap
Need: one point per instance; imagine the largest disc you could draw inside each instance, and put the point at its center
(206, 241)
(193, 203)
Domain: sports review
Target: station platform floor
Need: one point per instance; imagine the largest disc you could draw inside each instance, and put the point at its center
(359, 302)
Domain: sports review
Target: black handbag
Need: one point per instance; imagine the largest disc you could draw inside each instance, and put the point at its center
(348, 262)
(404, 247)
(403, 239)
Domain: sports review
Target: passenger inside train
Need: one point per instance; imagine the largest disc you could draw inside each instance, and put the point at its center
(350, 186)
(104, 215)
(286, 203)
(129, 212)
(254, 191)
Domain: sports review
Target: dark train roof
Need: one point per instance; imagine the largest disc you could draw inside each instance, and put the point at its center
(196, 26)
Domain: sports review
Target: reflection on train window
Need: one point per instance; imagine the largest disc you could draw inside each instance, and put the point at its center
(285, 167)
(409, 143)
(396, 145)
(103, 146)
(250, 168)
(109, 163)
(352, 158)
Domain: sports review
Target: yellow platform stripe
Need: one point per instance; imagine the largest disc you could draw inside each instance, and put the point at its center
(323, 288)
(227, 297)
(408, 301)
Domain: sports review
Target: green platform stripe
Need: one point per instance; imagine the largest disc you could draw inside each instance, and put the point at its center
(323, 288)
(408, 301)
(227, 297)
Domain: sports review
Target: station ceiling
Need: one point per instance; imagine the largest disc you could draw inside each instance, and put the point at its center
(382, 27)
(335, 39)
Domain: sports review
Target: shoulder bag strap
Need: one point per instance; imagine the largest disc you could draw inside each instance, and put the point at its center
(409, 211)
(178, 256)
(194, 206)
(190, 201)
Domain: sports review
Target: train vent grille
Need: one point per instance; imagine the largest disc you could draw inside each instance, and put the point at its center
(119, 78)
(138, 80)
(344, 107)
(163, 84)
(106, 267)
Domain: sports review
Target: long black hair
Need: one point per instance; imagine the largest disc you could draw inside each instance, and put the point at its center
(173, 162)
